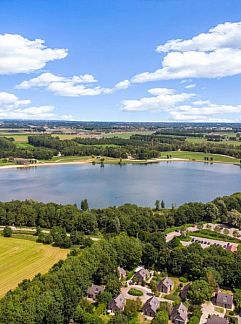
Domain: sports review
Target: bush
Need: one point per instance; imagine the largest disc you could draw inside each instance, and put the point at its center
(194, 320)
(135, 292)
(175, 298)
(183, 279)
(196, 310)
(7, 231)
(161, 317)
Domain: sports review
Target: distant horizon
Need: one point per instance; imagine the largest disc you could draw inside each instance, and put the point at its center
(119, 121)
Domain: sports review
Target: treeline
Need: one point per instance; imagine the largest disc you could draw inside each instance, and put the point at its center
(72, 148)
(132, 219)
(134, 140)
(77, 148)
(9, 149)
(173, 145)
(141, 147)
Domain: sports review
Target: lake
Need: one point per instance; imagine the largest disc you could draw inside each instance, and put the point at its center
(174, 182)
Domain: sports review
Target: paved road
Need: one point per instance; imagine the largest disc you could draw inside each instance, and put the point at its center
(29, 229)
(177, 233)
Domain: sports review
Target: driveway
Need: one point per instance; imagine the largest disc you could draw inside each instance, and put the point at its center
(209, 309)
(177, 233)
(147, 293)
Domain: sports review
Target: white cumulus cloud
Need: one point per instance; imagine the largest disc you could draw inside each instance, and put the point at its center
(13, 107)
(21, 55)
(162, 99)
(74, 86)
(214, 54)
(227, 35)
(182, 106)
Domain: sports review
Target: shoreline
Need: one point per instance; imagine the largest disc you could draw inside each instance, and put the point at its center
(88, 161)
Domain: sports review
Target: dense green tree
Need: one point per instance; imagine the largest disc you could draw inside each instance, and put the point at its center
(162, 317)
(149, 255)
(84, 205)
(234, 218)
(237, 299)
(157, 205)
(113, 284)
(162, 204)
(194, 320)
(105, 297)
(199, 292)
(119, 318)
(129, 251)
(132, 308)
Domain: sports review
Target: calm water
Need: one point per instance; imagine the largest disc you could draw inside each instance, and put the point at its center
(176, 182)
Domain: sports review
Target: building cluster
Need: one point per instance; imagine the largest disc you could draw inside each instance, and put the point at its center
(151, 305)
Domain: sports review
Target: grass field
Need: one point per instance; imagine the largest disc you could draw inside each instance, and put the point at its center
(198, 156)
(214, 236)
(23, 259)
(204, 140)
(127, 135)
(21, 138)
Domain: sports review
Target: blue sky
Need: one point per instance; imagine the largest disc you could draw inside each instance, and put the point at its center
(90, 63)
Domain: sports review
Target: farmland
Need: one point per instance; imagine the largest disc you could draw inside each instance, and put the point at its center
(22, 259)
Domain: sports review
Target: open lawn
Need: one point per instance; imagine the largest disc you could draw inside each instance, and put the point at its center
(23, 259)
(21, 138)
(204, 140)
(198, 156)
(204, 233)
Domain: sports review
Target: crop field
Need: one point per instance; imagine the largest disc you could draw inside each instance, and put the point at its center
(127, 135)
(23, 137)
(22, 259)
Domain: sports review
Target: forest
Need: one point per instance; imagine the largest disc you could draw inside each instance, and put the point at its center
(131, 235)
(140, 147)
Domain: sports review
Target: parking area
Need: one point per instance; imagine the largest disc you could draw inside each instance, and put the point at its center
(205, 243)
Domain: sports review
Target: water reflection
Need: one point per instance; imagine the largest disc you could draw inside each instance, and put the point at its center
(174, 182)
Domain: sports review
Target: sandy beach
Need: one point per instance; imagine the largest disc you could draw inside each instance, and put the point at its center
(87, 162)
